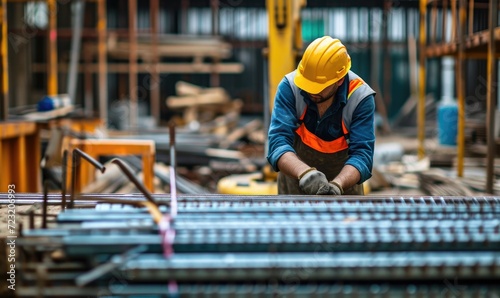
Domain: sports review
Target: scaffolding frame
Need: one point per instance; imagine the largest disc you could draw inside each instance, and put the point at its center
(464, 44)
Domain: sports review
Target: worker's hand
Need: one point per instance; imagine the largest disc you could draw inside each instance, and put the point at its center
(314, 182)
(335, 189)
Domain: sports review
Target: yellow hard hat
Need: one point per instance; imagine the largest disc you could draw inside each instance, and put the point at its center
(324, 62)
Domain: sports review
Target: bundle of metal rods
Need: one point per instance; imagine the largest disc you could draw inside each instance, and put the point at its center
(247, 246)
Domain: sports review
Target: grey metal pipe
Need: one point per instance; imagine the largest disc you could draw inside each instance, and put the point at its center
(76, 38)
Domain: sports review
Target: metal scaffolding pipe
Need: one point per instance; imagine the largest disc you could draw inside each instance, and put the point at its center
(132, 27)
(421, 80)
(76, 38)
(102, 60)
(491, 96)
(461, 77)
(155, 84)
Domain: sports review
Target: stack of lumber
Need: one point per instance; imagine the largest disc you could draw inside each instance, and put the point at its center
(209, 110)
(198, 47)
(192, 54)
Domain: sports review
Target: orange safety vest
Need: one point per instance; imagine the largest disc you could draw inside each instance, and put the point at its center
(358, 90)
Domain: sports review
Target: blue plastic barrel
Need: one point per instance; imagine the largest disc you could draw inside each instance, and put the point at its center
(447, 122)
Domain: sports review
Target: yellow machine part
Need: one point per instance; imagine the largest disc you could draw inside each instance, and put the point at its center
(247, 184)
(253, 184)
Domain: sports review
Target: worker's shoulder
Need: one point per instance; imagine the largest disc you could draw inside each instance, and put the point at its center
(285, 85)
(358, 86)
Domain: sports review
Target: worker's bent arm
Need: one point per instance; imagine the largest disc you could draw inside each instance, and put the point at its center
(290, 164)
(282, 125)
(362, 139)
(348, 177)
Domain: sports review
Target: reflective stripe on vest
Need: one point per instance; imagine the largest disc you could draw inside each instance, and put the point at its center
(357, 91)
(319, 144)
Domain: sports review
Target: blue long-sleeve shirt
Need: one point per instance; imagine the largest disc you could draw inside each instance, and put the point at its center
(361, 132)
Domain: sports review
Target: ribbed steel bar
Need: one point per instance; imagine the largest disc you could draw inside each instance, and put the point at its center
(450, 288)
(271, 200)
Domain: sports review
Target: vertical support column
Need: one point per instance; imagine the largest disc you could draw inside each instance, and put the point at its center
(433, 28)
(154, 84)
(445, 21)
(491, 95)
(386, 50)
(471, 17)
(102, 61)
(3, 167)
(19, 155)
(421, 80)
(33, 158)
(132, 25)
(52, 48)
(281, 55)
(88, 86)
(453, 20)
(215, 16)
(4, 101)
(214, 75)
(148, 161)
(184, 16)
(20, 77)
(461, 87)
(76, 39)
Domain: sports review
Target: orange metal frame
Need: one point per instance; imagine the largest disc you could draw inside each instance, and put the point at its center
(97, 148)
(20, 156)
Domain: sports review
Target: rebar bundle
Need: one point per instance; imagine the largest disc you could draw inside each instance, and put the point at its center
(246, 246)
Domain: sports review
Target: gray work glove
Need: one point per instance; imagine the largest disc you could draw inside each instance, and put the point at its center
(314, 182)
(335, 189)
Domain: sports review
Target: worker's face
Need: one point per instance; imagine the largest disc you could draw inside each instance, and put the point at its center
(326, 93)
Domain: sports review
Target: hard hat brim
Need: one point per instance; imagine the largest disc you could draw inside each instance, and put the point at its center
(310, 86)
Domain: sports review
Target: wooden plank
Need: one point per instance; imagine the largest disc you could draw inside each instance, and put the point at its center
(223, 67)
(216, 96)
(36, 116)
(240, 133)
(185, 88)
(220, 51)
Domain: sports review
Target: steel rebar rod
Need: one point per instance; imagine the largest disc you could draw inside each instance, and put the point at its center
(63, 179)
(75, 170)
(130, 175)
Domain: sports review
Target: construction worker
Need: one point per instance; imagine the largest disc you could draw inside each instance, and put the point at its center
(321, 133)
